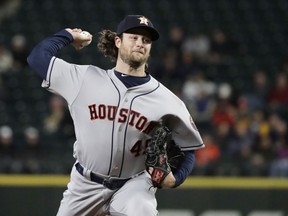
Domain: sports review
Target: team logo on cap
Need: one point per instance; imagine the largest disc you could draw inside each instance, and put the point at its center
(143, 20)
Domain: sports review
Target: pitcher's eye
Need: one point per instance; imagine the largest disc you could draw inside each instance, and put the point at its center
(146, 40)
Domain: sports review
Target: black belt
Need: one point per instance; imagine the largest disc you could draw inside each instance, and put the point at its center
(112, 184)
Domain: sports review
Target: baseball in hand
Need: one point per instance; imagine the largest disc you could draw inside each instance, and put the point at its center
(86, 35)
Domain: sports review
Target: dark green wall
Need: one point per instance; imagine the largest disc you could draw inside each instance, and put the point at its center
(44, 201)
(29, 201)
(243, 200)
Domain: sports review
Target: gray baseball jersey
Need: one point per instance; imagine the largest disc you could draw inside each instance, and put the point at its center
(112, 122)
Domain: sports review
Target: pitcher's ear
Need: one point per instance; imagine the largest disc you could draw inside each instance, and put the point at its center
(118, 41)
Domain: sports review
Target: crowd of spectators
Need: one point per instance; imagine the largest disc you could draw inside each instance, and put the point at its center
(244, 130)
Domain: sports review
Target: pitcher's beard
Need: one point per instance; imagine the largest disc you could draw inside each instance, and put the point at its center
(132, 61)
(135, 64)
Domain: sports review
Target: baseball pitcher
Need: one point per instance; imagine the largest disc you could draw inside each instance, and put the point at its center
(133, 135)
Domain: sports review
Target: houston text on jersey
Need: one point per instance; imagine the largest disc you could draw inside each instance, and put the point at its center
(109, 112)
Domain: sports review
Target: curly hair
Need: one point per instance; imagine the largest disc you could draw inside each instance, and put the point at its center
(106, 44)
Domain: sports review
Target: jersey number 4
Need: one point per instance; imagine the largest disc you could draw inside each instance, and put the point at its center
(138, 148)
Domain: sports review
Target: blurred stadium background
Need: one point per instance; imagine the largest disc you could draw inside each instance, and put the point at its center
(227, 60)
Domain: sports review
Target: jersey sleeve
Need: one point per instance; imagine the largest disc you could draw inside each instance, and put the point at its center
(42, 53)
(186, 134)
(186, 168)
(64, 78)
(184, 131)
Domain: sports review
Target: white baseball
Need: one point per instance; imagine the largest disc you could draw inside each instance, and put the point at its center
(86, 34)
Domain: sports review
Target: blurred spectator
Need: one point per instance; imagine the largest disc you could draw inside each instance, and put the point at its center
(8, 151)
(198, 44)
(6, 59)
(19, 51)
(224, 91)
(58, 125)
(278, 94)
(166, 70)
(224, 113)
(8, 8)
(55, 116)
(196, 84)
(278, 129)
(175, 40)
(207, 157)
(258, 93)
(240, 147)
(263, 153)
(173, 72)
(6, 140)
(243, 111)
(222, 135)
(32, 152)
(31, 138)
(241, 141)
(279, 136)
(263, 148)
(222, 48)
(199, 96)
(187, 65)
(259, 124)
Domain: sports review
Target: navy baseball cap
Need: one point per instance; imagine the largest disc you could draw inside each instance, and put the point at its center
(137, 21)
